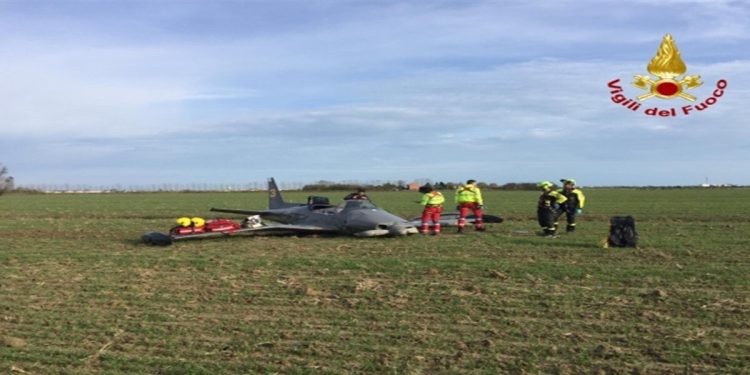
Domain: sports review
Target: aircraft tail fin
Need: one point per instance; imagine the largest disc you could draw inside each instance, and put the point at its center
(275, 200)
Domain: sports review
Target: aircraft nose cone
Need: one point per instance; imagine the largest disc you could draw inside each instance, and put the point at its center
(399, 229)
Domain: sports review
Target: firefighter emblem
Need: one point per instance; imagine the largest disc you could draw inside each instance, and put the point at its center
(667, 66)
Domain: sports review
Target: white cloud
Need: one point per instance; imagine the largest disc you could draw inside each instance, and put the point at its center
(382, 82)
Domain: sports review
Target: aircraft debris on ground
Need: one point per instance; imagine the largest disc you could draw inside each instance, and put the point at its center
(355, 217)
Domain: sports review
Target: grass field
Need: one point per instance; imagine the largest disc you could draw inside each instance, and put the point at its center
(80, 294)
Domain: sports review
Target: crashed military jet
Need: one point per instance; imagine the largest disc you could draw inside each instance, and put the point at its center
(360, 218)
(355, 217)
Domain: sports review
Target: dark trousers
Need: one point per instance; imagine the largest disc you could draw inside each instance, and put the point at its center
(547, 217)
(570, 217)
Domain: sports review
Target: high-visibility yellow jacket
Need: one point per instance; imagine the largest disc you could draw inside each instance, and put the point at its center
(468, 194)
(434, 198)
(551, 198)
(575, 196)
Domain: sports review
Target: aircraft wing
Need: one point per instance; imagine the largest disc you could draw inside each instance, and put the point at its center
(289, 229)
(266, 227)
(241, 212)
(451, 218)
(164, 239)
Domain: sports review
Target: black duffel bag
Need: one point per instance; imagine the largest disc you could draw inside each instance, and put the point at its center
(622, 232)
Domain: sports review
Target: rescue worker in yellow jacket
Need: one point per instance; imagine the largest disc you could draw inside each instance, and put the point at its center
(548, 207)
(574, 205)
(432, 200)
(469, 198)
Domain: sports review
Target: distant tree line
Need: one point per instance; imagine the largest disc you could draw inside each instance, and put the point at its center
(331, 186)
(7, 184)
(6, 181)
(401, 185)
(515, 186)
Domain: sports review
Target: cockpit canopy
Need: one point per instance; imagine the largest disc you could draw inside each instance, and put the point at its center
(357, 204)
(316, 202)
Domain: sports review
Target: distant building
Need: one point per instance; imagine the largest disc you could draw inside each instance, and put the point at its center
(413, 186)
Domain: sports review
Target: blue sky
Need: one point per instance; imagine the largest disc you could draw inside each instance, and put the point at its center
(139, 93)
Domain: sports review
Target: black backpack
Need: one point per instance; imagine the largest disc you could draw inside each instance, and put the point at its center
(622, 232)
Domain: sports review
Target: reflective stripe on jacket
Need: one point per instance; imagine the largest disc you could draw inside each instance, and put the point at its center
(549, 197)
(468, 194)
(434, 198)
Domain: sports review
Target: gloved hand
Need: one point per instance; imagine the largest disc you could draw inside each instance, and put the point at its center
(458, 208)
(579, 211)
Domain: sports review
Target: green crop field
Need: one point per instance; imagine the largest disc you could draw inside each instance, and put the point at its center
(80, 294)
